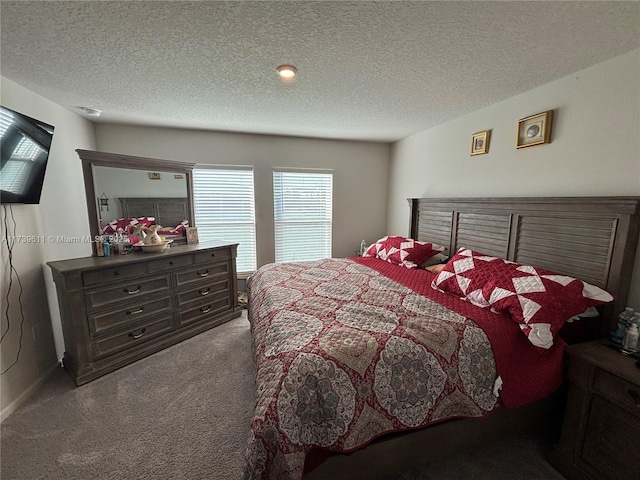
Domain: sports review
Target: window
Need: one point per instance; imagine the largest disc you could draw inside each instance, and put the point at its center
(225, 210)
(303, 204)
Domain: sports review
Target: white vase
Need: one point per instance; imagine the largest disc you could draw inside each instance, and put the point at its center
(152, 237)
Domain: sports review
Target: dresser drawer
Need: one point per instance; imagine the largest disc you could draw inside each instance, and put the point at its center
(209, 272)
(617, 389)
(110, 274)
(215, 305)
(131, 337)
(212, 256)
(169, 263)
(132, 290)
(101, 322)
(207, 290)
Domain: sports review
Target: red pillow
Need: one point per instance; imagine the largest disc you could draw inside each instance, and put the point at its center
(122, 225)
(539, 300)
(402, 251)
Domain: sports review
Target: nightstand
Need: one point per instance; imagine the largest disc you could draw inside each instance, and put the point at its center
(601, 431)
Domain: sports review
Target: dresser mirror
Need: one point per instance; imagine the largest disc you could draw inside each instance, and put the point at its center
(123, 186)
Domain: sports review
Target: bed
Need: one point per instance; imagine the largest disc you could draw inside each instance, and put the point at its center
(350, 350)
(172, 213)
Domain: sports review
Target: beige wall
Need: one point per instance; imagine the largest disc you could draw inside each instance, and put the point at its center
(595, 147)
(62, 212)
(360, 173)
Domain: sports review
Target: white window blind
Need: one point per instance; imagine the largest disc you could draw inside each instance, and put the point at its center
(225, 210)
(303, 205)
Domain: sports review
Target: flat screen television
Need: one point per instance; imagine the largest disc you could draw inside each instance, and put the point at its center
(24, 143)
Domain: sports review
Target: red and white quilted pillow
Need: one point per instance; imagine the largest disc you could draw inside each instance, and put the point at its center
(539, 300)
(122, 225)
(402, 251)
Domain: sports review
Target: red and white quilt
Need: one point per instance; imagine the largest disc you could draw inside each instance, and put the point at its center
(345, 354)
(403, 251)
(539, 301)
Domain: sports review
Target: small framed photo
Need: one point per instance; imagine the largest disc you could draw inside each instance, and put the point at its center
(192, 235)
(155, 176)
(534, 130)
(480, 142)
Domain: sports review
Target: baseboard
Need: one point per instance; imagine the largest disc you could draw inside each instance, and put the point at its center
(24, 396)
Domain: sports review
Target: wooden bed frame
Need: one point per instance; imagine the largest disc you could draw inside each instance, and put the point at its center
(591, 238)
(168, 211)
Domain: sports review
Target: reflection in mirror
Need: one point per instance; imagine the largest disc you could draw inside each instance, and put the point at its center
(124, 187)
(112, 185)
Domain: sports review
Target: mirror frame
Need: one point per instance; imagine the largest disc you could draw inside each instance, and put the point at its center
(90, 158)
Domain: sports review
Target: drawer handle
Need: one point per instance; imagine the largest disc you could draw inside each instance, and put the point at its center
(135, 312)
(213, 254)
(206, 309)
(636, 397)
(204, 292)
(203, 274)
(132, 292)
(171, 262)
(135, 336)
(116, 273)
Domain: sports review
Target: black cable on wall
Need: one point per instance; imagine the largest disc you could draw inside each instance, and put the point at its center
(9, 240)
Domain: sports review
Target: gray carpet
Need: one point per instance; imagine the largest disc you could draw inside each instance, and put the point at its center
(184, 413)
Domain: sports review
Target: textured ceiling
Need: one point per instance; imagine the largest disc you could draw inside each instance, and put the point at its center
(367, 70)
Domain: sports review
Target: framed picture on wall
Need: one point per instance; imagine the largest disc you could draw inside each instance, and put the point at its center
(534, 130)
(192, 235)
(480, 142)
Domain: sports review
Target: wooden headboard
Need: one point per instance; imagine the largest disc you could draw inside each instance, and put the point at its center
(591, 238)
(168, 211)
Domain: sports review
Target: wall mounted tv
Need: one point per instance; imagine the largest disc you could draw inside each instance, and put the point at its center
(24, 143)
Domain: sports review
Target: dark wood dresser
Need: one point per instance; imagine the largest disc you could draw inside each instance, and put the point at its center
(600, 436)
(116, 310)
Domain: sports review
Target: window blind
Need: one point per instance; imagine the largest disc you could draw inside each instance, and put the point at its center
(303, 205)
(225, 210)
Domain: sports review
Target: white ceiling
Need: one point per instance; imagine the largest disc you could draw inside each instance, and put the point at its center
(367, 70)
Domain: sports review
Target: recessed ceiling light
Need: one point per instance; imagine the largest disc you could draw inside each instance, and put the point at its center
(287, 72)
(91, 112)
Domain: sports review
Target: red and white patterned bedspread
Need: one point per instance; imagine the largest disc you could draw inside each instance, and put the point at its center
(344, 354)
